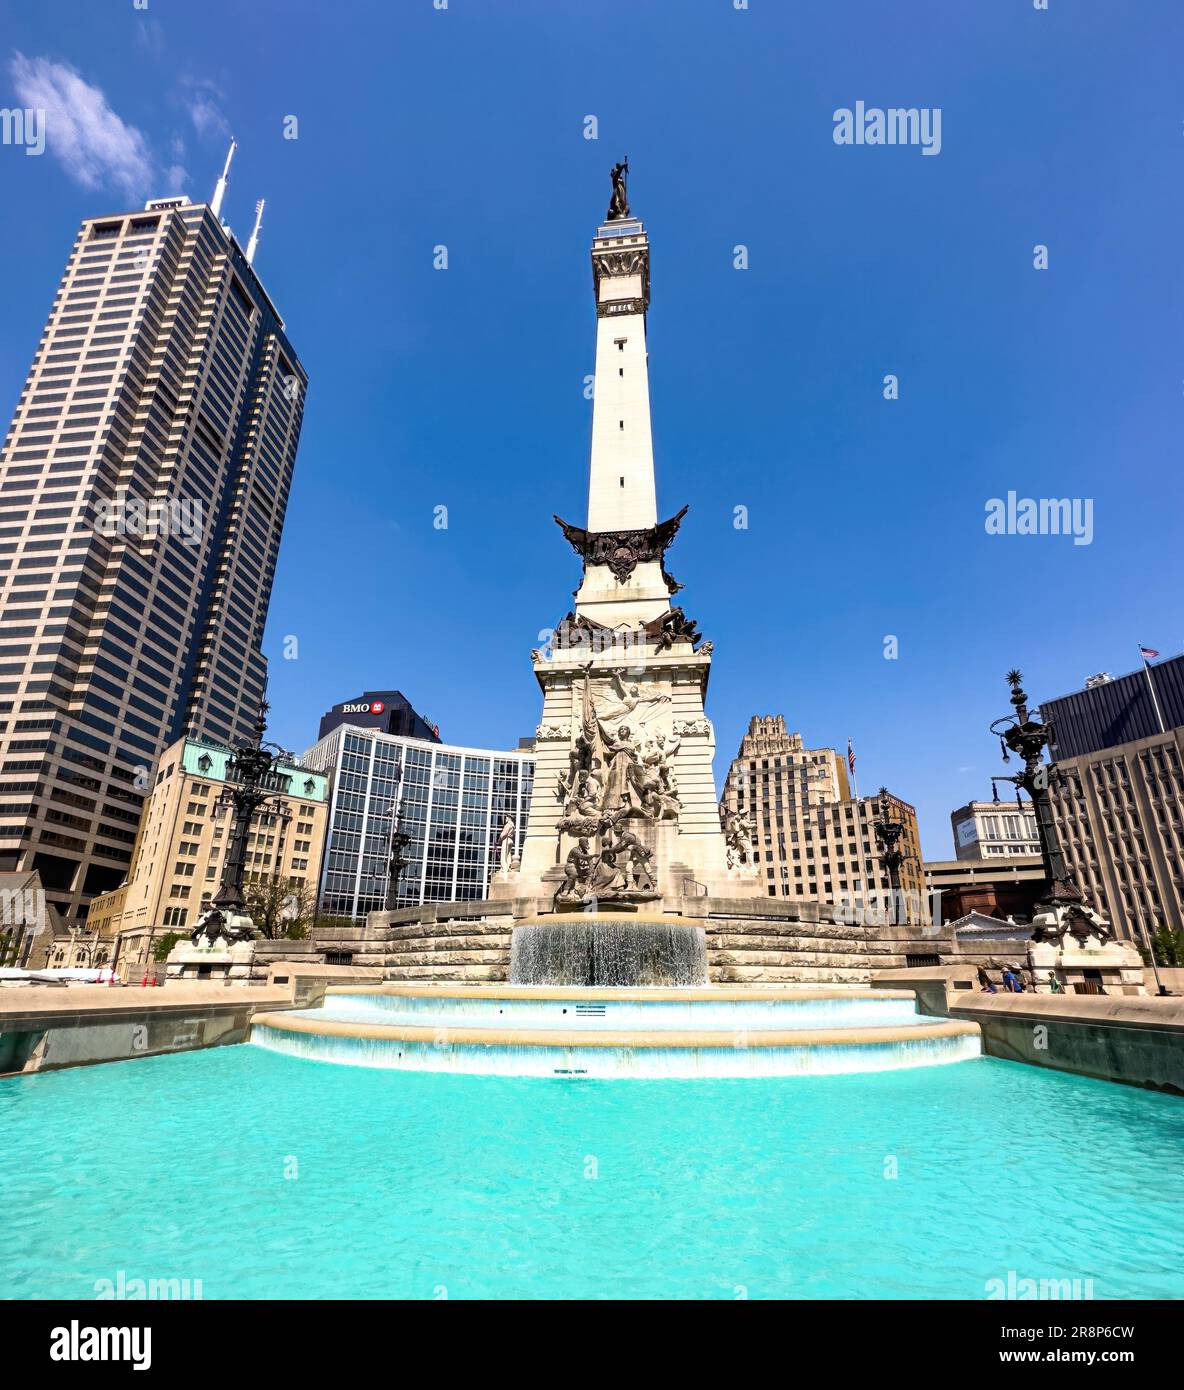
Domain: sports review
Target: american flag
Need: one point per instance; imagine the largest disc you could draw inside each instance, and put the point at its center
(1148, 653)
(850, 758)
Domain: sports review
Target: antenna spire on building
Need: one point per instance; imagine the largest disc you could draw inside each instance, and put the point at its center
(223, 180)
(253, 244)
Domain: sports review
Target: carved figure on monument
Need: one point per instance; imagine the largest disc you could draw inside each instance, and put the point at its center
(659, 755)
(738, 835)
(577, 869)
(630, 699)
(505, 843)
(672, 627)
(621, 790)
(606, 877)
(637, 873)
(660, 805)
(589, 796)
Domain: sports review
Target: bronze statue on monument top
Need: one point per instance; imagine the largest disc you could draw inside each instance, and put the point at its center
(618, 206)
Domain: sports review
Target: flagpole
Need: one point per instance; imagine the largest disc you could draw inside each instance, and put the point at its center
(1151, 688)
(858, 822)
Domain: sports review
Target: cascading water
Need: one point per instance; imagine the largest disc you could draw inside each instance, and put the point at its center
(603, 950)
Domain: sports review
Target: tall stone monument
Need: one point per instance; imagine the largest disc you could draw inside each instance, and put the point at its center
(624, 810)
(626, 875)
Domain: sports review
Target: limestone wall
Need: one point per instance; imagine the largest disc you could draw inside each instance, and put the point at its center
(443, 943)
(753, 941)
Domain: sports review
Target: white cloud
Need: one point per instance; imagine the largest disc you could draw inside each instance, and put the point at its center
(94, 146)
(206, 114)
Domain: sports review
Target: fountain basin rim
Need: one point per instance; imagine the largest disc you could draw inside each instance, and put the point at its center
(689, 1038)
(620, 917)
(664, 994)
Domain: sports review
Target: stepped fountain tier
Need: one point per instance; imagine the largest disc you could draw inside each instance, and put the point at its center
(603, 1033)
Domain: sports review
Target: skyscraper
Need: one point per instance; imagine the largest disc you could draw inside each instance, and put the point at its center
(811, 839)
(1118, 803)
(143, 485)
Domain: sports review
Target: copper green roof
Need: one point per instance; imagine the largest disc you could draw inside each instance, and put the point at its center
(209, 760)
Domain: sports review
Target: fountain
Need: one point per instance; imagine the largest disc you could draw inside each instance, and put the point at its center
(613, 1032)
(605, 948)
(624, 843)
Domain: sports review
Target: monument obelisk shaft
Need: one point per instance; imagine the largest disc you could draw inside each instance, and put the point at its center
(622, 496)
(624, 805)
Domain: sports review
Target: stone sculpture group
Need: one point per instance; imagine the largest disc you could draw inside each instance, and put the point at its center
(617, 774)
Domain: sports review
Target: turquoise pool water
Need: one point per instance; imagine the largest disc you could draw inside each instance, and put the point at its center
(422, 1186)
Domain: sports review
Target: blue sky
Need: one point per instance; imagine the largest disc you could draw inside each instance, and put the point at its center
(464, 388)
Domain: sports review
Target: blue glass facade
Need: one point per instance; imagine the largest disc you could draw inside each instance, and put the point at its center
(452, 803)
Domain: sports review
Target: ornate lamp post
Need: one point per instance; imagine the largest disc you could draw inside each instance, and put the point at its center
(1028, 737)
(397, 843)
(247, 796)
(888, 832)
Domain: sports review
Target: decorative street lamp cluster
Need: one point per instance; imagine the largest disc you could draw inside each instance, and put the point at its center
(400, 839)
(1061, 905)
(889, 831)
(1028, 737)
(397, 843)
(248, 796)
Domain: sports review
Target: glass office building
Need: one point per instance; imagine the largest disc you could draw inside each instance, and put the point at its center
(451, 801)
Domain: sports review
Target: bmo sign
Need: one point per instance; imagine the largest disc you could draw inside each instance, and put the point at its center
(386, 710)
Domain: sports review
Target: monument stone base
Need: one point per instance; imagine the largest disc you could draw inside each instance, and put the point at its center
(222, 961)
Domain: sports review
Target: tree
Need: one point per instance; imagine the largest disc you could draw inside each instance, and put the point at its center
(160, 951)
(279, 906)
(1168, 946)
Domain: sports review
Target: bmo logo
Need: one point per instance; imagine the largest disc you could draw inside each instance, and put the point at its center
(376, 708)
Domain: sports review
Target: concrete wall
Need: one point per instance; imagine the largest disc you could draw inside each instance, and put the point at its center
(1135, 1051)
(45, 1028)
(1134, 1039)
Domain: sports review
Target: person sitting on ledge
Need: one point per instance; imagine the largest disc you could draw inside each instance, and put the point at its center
(985, 982)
